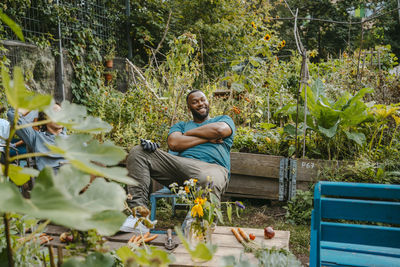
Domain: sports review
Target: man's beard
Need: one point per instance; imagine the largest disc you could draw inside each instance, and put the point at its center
(199, 116)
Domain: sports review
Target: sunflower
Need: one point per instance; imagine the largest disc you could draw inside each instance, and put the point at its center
(267, 37)
(254, 25)
(197, 210)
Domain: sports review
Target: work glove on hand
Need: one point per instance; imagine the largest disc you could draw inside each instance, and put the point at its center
(148, 145)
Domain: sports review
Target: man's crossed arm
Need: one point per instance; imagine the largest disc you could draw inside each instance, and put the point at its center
(212, 132)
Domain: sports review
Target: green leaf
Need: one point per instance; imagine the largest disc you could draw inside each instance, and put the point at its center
(18, 96)
(81, 150)
(125, 253)
(219, 215)
(229, 211)
(95, 259)
(201, 252)
(14, 26)
(75, 117)
(20, 175)
(267, 126)
(359, 138)
(329, 132)
(58, 199)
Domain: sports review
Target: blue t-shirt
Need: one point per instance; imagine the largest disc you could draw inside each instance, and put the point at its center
(208, 152)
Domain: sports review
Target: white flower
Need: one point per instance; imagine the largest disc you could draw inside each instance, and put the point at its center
(181, 193)
(173, 185)
(186, 182)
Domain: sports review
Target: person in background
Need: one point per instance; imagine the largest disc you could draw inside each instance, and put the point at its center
(37, 140)
(4, 133)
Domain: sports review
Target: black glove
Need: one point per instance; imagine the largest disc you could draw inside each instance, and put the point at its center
(148, 145)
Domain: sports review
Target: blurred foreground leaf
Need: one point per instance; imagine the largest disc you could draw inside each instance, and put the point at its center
(75, 117)
(81, 150)
(18, 96)
(95, 259)
(57, 198)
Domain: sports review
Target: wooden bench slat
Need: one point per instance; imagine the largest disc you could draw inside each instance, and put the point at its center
(361, 210)
(343, 189)
(376, 250)
(341, 258)
(371, 235)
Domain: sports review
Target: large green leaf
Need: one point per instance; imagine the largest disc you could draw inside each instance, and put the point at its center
(81, 150)
(75, 117)
(329, 132)
(18, 96)
(14, 26)
(18, 174)
(58, 198)
(95, 259)
(359, 138)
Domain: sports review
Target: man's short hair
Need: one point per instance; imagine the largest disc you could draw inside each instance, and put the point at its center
(191, 92)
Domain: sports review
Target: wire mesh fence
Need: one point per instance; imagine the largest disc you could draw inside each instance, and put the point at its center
(38, 19)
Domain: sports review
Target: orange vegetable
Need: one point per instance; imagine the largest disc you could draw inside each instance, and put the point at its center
(236, 235)
(243, 234)
(150, 238)
(252, 237)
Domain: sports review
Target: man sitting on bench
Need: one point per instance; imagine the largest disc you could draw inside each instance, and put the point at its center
(202, 147)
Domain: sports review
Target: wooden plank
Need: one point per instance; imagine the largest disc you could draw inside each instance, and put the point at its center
(184, 259)
(370, 235)
(224, 237)
(360, 210)
(359, 190)
(308, 169)
(266, 188)
(255, 164)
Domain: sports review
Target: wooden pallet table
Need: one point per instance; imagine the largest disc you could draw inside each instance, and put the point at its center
(223, 237)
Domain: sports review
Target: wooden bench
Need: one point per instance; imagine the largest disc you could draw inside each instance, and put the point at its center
(355, 224)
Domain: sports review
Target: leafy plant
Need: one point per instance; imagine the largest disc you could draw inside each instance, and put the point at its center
(298, 209)
(60, 197)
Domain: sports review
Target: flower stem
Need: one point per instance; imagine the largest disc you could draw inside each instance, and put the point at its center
(8, 240)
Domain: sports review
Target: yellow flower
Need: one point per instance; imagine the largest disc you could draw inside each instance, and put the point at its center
(282, 44)
(195, 180)
(383, 112)
(267, 139)
(267, 37)
(200, 201)
(197, 210)
(187, 189)
(396, 119)
(254, 25)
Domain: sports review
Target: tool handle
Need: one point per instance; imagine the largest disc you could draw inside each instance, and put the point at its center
(169, 234)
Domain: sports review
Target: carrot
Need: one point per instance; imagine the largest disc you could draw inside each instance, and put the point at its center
(146, 235)
(237, 235)
(150, 238)
(131, 239)
(137, 238)
(243, 234)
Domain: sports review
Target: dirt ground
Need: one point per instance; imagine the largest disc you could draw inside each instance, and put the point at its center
(257, 214)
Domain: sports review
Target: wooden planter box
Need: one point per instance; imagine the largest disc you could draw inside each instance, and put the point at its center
(256, 176)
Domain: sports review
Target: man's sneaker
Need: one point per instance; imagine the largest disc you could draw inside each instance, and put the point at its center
(129, 226)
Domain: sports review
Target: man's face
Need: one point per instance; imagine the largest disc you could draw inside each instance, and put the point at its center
(52, 125)
(198, 105)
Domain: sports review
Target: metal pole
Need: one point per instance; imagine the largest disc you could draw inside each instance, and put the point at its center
(128, 35)
(398, 6)
(60, 94)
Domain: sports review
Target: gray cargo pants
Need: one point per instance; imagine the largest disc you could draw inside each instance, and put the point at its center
(166, 169)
